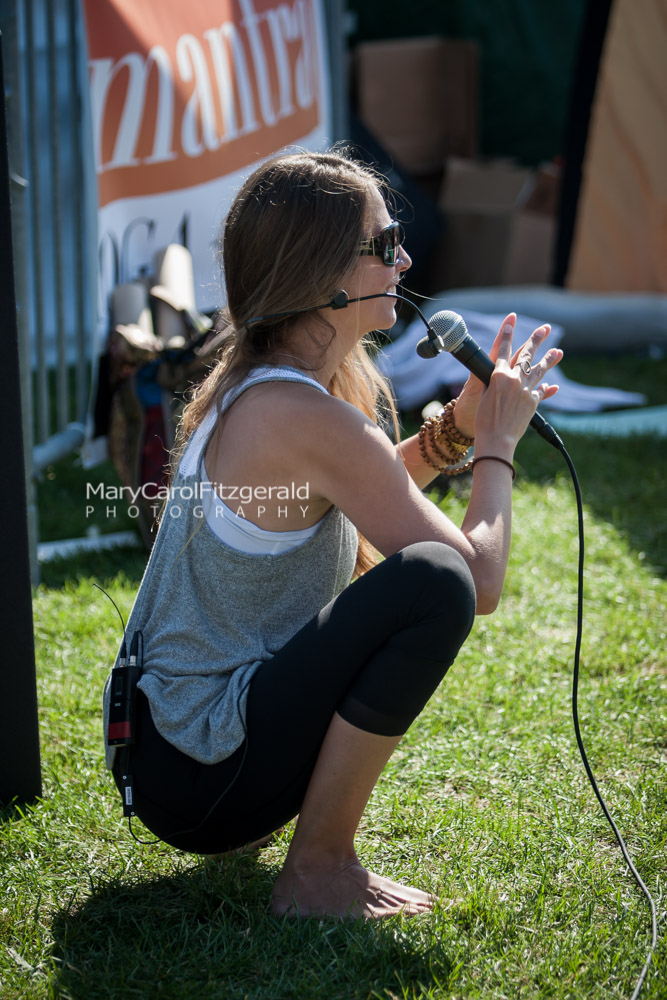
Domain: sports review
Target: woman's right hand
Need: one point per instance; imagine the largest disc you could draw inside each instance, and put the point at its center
(516, 388)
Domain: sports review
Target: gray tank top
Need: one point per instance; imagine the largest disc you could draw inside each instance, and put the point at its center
(211, 615)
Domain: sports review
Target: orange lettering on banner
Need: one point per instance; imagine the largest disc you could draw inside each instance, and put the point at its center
(184, 93)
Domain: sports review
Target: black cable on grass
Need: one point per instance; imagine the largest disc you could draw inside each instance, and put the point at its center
(577, 730)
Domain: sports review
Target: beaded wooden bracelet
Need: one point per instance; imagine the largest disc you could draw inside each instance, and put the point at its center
(456, 443)
(451, 455)
(421, 438)
(450, 430)
(450, 470)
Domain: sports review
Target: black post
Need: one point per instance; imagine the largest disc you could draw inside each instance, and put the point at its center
(20, 772)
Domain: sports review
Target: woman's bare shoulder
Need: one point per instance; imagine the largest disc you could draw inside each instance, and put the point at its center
(277, 407)
(280, 426)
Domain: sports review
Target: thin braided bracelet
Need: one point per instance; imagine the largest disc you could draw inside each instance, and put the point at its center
(495, 458)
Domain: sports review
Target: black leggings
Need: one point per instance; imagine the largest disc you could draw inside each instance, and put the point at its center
(375, 654)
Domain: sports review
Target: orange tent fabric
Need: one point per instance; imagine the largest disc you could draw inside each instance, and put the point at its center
(620, 238)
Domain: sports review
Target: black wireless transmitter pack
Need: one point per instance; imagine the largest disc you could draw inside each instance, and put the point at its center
(122, 726)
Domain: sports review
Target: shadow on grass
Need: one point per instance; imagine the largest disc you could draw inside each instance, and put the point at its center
(207, 932)
(17, 810)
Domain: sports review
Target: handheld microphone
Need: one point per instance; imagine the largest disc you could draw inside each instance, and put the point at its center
(448, 332)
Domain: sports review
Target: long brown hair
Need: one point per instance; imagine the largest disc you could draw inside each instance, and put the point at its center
(289, 241)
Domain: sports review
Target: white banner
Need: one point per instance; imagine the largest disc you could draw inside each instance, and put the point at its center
(185, 99)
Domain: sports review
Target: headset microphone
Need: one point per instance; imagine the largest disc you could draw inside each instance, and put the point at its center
(340, 300)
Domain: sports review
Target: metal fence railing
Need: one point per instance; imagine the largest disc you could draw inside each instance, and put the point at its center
(53, 220)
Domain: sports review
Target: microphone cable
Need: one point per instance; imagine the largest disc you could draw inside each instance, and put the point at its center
(558, 444)
(577, 731)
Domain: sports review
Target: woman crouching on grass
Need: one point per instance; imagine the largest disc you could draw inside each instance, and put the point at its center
(272, 685)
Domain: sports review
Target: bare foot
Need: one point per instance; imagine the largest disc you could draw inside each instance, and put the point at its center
(348, 891)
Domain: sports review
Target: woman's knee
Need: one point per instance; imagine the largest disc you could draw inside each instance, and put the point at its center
(437, 574)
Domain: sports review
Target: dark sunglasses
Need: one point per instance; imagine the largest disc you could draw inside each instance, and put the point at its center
(386, 244)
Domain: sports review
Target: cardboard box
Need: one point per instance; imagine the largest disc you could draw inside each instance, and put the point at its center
(490, 237)
(542, 194)
(419, 98)
(530, 250)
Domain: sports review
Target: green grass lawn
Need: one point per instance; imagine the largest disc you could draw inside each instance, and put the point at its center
(485, 803)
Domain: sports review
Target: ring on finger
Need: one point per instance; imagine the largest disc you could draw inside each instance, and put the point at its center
(526, 367)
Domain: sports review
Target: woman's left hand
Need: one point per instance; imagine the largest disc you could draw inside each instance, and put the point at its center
(468, 401)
